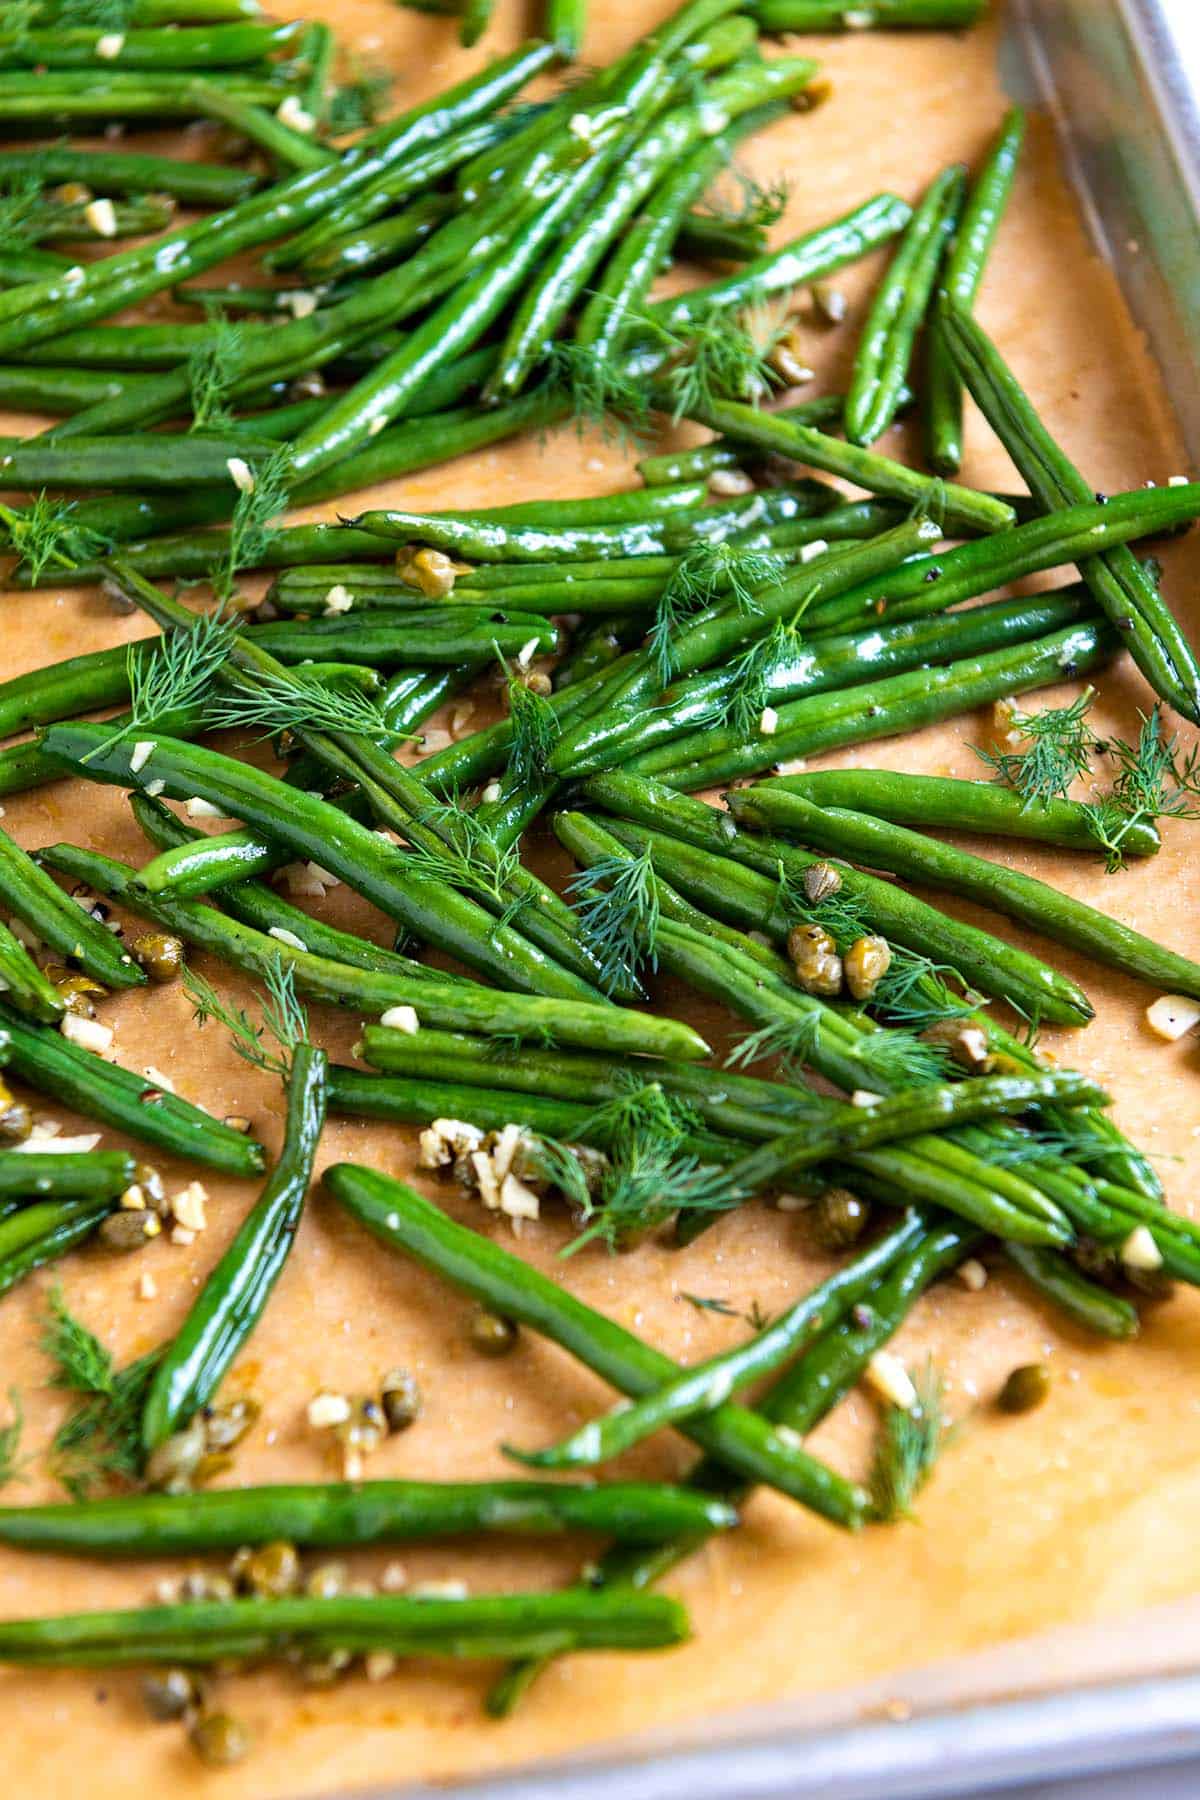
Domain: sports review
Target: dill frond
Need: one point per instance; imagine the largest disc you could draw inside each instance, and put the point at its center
(11, 1460)
(793, 1040)
(358, 101)
(754, 672)
(709, 1303)
(907, 1448)
(467, 857)
(176, 676)
(1154, 780)
(42, 534)
(254, 513)
(602, 393)
(21, 209)
(915, 992)
(1059, 746)
(900, 1059)
(648, 1177)
(101, 1440)
(96, 15)
(725, 356)
(283, 1018)
(535, 730)
(213, 370)
(619, 916)
(288, 699)
(750, 202)
(704, 575)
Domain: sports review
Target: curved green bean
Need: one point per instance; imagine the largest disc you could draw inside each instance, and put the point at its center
(94, 1175)
(28, 892)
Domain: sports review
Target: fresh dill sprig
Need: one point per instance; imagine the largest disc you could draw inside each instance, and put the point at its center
(20, 210)
(286, 699)
(602, 392)
(648, 1176)
(1063, 1141)
(11, 1460)
(283, 1018)
(358, 101)
(42, 534)
(254, 513)
(1058, 748)
(751, 202)
(915, 992)
(213, 369)
(467, 857)
(794, 1041)
(535, 729)
(842, 914)
(1154, 780)
(709, 1303)
(176, 676)
(907, 1448)
(704, 575)
(101, 1440)
(754, 671)
(725, 356)
(619, 916)
(900, 1059)
(96, 15)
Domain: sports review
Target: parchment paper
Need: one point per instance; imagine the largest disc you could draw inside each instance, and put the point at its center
(1077, 1515)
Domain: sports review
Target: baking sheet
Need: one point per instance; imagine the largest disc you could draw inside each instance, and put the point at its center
(1077, 1516)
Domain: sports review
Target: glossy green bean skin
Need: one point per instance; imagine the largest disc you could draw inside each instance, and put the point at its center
(115, 1096)
(214, 47)
(132, 462)
(40, 1234)
(58, 391)
(207, 862)
(231, 1302)
(950, 869)
(23, 982)
(889, 336)
(565, 25)
(335, 1515)
(961, 276)
(726, 453)
(79, 684)
(128, 172)
(1084, 1302)
(94, 1175)
(984, 962)
(943, 803)
(208, 1631)
(165, 12)
(962, 509)
(59, 222)
(394, 595)
(440, 635)
(896, 704)
(28, 892)
(289, 149)
(448, 1004)
(56, 306)
(832, 15)
(496, 1278)
(402, 1101)
(705, 238)
(69, 96)
(1124, 590)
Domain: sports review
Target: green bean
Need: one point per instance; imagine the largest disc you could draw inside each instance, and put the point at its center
(60, 304)
(593, 653)
(132, 1103)
(76, 95)
(726, 453)
(961, 277)
(290, 149)
(78, 684)
(27, 988)
(897, 704)
(125, 172)
(231, 1302)
(336, 1515)
(305, 591)
(833, 15)
(129, 462)
(947, 868)
(214, 47)
(402, 1101)
(961, 509)
(207, 862)
(501, 1281)
(57, 222)
(943, 803)
(444, 635)
(162, 12)
(547, 301)
(58, 391)
(717, 630)
(18, 267)
(885, 348)
(90, 1175)
(703, 237)
(1084, 1302)
(28, 892)
(126, 347)
(41, 1234)
(565, 24)
(1124, 590)
(445, 1003)
(380, 245)
(984, 962)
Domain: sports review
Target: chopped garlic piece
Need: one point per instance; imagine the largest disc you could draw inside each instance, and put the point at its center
(89, 1034)
(1172, 1016)
(101, 215)
(526, 653)
(768, 722)
(809, 552)
(725, 483)
(485, 1178)
(196, 808)
(326, 1410)
(182, 1236)
(972, 1274)
(402, 1018)
(47, 1143)
(864, 1097)
(143, 750)
(110, 46)
(291, 113)
(1177, 481)
(240, 473)
(286, 937)
(300, 304)
(147, 1287)
(891, 1380)
(1140, 1252)
(379, 1664)
(518, 1201)
(339, 599)
(440, 1590)
(444, 1140)
(188, 1207)
(505, 1148)
(301, 880)
(491, 792)
(378, 424)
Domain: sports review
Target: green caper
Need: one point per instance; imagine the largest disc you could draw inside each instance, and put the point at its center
(839, 1218)
(1024, 1388)
(171, 1694)
(821, 881)
(129, 1230)
(866, 963)
(401, 1400)
(160, 954)
(492, 1335)
(272, 1570)
(73, 989)
(814, 958)
(226, 1424)
(219, 1739)
(15, 1120)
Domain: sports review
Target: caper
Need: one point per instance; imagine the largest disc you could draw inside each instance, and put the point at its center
(430, 571)
(839, 1218)
(129, 1229)
(492, 1335)
(159, 954)
(171, 1694)
(272, 1570)
(326, 1581)
(821, 882)
(964, 1039)
(814, 959)
(73, 989)
(1024, 1388)
(227, 1424)
(219, 1739)
(401, 1399)
(866, 963)
(172, 1463)
(15, 1120)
